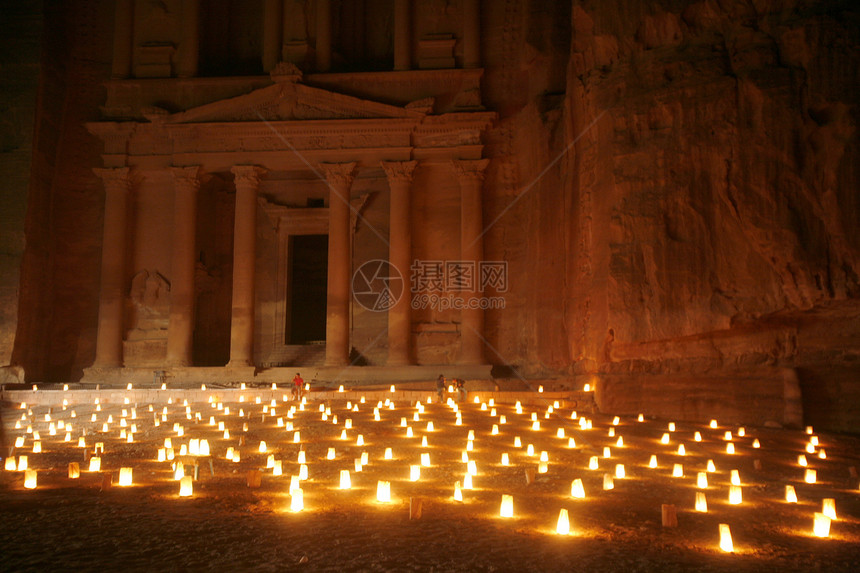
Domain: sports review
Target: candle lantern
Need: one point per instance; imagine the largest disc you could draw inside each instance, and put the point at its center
(95, 464)
(821, 525)
(563, 525)
(125, 477)
(186, 487)
(414, 473)
(701, 502)
(790, 494)
(726, 538)
(678, 470)
(828, 507)
(735, 494)
(576, 489)
(297, 500)
(30, 479)
(608, 483)
(507, 507)
(383, 491)
(809, 476)
(345, 482)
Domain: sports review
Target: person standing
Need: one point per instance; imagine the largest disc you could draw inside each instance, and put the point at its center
(440, 386)
(460, 386)
(297, 386)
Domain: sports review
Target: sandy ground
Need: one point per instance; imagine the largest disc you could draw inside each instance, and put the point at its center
(77, 524)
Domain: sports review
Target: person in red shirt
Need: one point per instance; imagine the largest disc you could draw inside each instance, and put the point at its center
(297, 386)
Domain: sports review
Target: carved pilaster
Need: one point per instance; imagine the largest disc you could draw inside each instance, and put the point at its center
(470, 174)
(399, 175)
(117, 184)
(339, 177)
(247, 181)
(186, 182)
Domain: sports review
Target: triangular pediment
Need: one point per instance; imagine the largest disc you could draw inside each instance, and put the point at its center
(291, 101)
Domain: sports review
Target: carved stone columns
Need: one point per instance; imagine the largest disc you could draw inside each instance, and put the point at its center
(247, 180)
(112, 296)
(471, 178)
(399, 175)
(180, 332)
(339, 177)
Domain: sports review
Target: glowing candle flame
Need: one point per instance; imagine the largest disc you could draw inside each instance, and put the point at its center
(383, 491)
(186, 487)
(507, 507)
(726, 538)
(607, 482)
(125, 477)
(828, 507)
(701, 502)
(576, 489)
(563, 525)
(735, 495)
(297, 500)
(821, 525)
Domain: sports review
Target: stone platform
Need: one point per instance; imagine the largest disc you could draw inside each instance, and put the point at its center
(316, 375)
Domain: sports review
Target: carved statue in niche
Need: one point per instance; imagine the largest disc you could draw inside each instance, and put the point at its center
(150, 298)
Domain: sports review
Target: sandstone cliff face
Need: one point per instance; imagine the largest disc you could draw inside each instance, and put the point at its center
(703, 219)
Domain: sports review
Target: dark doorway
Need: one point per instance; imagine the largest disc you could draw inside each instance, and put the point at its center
(308, 275)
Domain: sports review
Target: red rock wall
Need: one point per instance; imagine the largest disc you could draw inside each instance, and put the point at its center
(701, 220)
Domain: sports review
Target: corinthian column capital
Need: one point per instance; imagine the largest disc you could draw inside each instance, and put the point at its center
(246, 176)
(470, 169)
(339, 174)
(186, 177)
(399, 170)
(114, 178)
